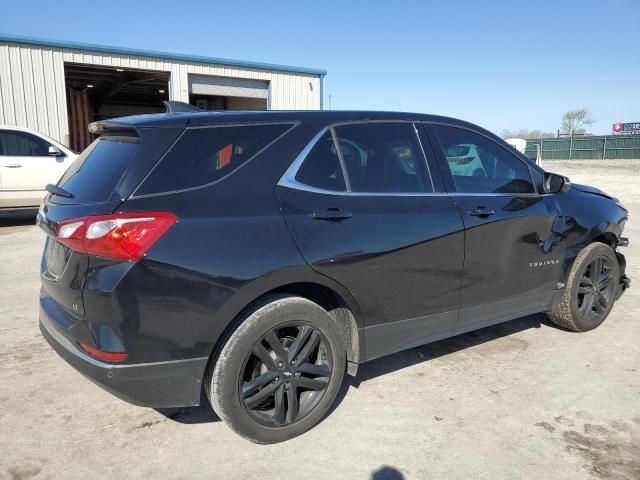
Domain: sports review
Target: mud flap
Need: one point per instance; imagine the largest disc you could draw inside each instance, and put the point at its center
(625, 282)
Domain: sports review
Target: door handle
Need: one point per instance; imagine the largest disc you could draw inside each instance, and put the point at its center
(481, 212)
(331, 214)
(13, 165)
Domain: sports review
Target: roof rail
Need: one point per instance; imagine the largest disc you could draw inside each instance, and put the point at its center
(173, 106)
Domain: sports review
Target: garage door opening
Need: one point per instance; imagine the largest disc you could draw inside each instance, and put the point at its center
(209, 92)
(99, 93)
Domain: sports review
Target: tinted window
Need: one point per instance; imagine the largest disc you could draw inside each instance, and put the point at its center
(204, 155)
(479, 165)
(21, 144)
(95, 174)
(383, 157)
(321, 167)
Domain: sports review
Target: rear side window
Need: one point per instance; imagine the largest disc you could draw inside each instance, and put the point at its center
(205, 155)
(383, 157)
(321, 167)
(96, 173)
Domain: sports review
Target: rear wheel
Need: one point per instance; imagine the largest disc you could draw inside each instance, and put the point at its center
(280, 371)
(591, 290)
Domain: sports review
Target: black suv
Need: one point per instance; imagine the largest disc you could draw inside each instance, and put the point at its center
(259, 256)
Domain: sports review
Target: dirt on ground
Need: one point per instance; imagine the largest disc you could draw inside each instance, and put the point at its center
(521, 400)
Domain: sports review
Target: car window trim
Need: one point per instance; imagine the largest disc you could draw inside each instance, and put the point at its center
(472, 130)
(343, 165)
(424, 156)
(289, 180)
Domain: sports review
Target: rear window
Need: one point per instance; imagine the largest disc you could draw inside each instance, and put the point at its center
(203, 156)
(96, 173)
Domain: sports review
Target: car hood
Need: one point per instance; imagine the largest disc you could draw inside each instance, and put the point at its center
(593, 190)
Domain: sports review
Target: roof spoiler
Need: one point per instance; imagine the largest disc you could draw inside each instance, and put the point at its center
(113, 128)
(122, 126)
(179, 107)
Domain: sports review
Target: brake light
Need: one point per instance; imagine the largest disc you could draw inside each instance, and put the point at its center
(123, 236)
(102, 355)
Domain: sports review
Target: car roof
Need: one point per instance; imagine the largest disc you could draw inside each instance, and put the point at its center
(197, 119)
(320, 118)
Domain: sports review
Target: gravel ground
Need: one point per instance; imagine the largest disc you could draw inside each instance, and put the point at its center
(522, 400)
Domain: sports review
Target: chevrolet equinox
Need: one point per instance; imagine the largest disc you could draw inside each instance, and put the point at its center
(260, 256)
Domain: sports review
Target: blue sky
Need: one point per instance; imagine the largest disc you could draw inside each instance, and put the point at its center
(500, 64)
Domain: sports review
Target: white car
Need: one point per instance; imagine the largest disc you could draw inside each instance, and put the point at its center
(464, 161)
(28, 162)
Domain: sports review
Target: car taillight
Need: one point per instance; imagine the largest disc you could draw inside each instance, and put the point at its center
(102, 355)
(123, 236)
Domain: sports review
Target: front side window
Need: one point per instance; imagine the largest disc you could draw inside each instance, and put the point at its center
(479, 165)
(22, 144)
(383, 158)
(205, 155)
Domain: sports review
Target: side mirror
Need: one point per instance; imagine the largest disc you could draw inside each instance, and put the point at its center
(55, 151)
(554, 183)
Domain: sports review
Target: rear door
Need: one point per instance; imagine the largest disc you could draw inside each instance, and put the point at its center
(361, 205)
(514, 236)
(26, 168)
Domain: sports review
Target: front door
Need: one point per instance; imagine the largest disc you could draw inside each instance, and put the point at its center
(513, 236)
(361, 206)
(26, 168)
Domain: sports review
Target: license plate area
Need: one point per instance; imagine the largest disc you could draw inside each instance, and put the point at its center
(57, 258)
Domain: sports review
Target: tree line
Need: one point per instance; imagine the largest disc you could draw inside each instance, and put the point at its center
(572, 121)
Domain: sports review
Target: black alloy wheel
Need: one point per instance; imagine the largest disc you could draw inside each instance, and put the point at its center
(286, 374)
(596, 290)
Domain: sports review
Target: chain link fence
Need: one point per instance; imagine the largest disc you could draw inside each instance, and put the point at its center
(605, 147)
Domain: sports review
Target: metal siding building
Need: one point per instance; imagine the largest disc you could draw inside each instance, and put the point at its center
(35, 77)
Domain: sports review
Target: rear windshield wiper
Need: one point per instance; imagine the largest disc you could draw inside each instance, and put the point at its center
(55, 190)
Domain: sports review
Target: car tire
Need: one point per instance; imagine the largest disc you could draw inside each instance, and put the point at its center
(267, 392)
(589, 294)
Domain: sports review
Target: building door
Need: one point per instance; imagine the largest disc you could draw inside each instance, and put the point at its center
(210, 92)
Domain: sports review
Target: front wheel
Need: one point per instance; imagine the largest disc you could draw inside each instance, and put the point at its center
(591, 290)
(280, 371)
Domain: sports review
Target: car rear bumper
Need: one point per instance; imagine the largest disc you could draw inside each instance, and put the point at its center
(175, 383)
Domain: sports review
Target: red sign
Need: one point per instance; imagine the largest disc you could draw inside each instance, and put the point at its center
(626, 128)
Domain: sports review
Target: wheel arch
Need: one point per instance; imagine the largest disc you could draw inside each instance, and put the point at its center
(303, 282)
(608, 238)
(607, 232)
(338, 308)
